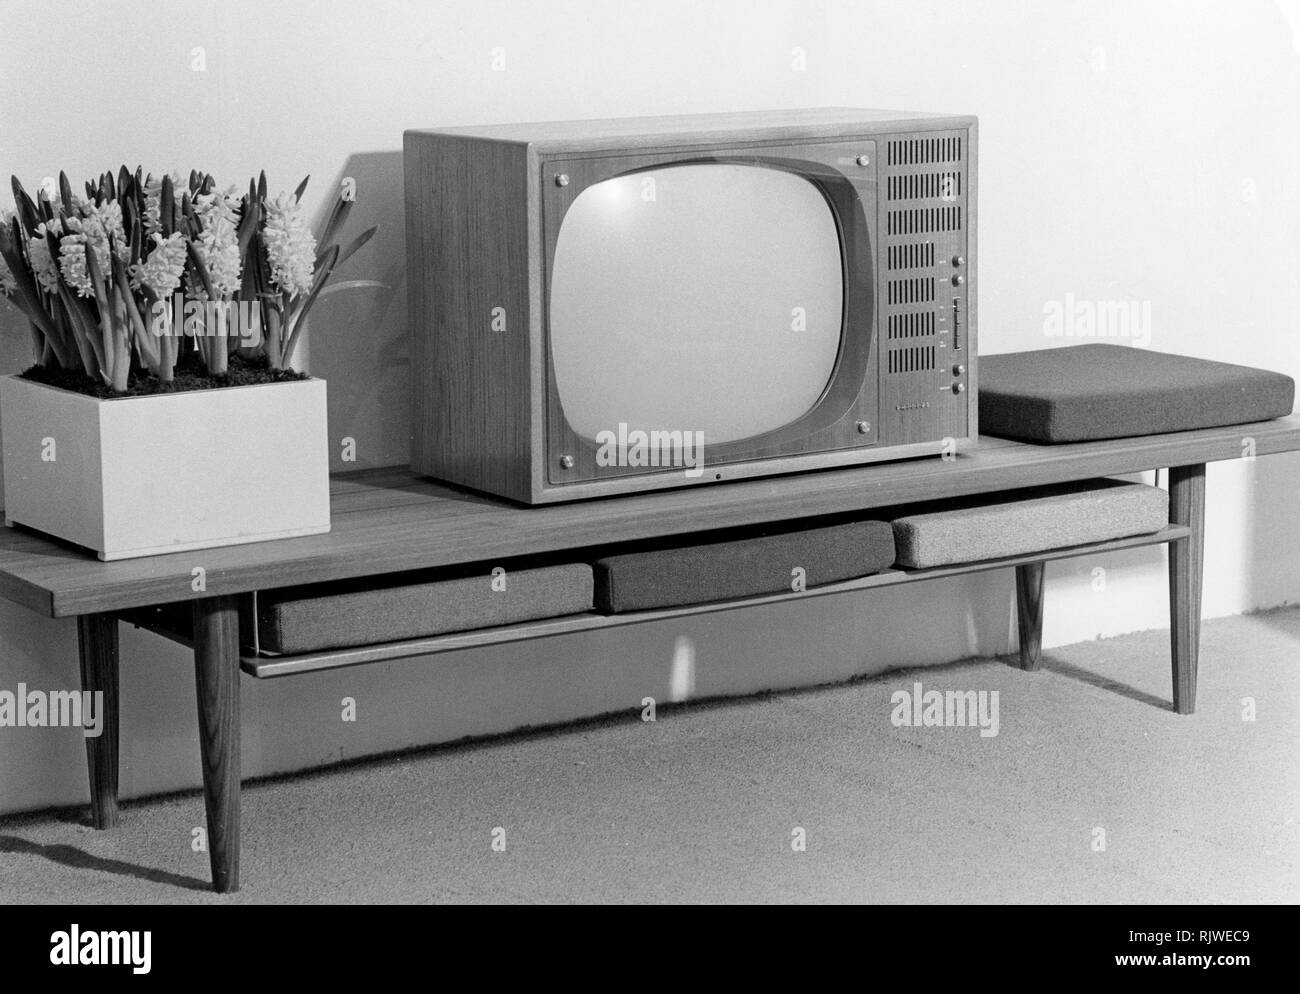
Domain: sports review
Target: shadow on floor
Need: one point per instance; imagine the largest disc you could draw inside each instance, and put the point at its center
(1104, 683)
(66, 855)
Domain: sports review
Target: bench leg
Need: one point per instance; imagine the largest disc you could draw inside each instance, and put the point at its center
(216, 672)
(97, 646)
(1186, 558)
(1029, 613)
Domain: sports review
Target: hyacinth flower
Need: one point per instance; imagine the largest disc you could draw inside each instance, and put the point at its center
(80, 236)
(72, 260)
(97, 277)
(160, 251)
(291, 266)
(33, 280)
(19, 286)
(214, 275)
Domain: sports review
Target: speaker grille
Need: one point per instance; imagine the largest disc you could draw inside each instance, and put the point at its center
(946, 185)
(924, 195)
(911, 359)
(911, 324)
(920, 151)
(923, 220)
(912, 291)
(910, 255)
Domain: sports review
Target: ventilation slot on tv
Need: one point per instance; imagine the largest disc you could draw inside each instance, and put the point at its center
(923, 220)
(911, 255)
(919, 151)
(921, 186)
(914, 291)
(913, 324)
(915, 359)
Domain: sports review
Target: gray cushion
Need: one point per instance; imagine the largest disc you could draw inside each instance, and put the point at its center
(744, 567)
(309, 619)
(1024, 521)
(1084, 392)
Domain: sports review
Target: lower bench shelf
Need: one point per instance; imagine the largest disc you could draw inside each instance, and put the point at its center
(264, 666)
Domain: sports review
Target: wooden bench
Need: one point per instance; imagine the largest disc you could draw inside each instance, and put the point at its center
(389, 521)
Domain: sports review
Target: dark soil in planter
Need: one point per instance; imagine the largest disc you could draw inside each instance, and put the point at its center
(189, 375)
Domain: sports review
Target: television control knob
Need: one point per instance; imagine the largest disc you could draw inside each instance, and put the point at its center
(958, 279)
(562, 179)
(959, 388)
(959, 260)
(958, 370)
(864, 160)
(566, 462)
(864, 427)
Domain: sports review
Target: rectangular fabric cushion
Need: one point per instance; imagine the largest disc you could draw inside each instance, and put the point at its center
(304, 619)
(1087, 392)
(765, 563)
(1034, 520)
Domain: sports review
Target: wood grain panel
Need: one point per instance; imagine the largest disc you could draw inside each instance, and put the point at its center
(697, 129)
(1186, 565)
(98, 648)
(1029, 613)
(216, 671)
(467, 210)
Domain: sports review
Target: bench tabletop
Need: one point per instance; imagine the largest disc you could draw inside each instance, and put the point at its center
(391, 520)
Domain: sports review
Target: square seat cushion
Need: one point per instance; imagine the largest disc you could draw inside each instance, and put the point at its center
(749, 566)
(1024, 521)
(311, 619)
(1086, 392)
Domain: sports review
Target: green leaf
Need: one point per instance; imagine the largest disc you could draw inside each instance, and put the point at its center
(297, 194)
(108, 354)
(299, 315)
(200, 270)
(250, 218)
(29, 293)
(167, 206)
(26, 208)
(122, 285)
(191, 216)
(83, 331)
(337, 219)
(356, 243)
(128, 220)
(136, 234)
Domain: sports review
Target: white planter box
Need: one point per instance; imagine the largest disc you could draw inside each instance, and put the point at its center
(136, 476)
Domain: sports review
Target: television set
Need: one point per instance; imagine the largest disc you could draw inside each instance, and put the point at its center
(606, 307)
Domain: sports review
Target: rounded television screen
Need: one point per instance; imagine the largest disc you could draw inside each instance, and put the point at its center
(705, 297)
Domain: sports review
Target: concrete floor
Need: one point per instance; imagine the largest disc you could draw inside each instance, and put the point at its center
(704, 803)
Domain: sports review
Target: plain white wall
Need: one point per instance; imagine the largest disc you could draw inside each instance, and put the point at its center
(1129, 151)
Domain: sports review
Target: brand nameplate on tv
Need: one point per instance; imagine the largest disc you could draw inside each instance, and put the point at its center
(602, 307)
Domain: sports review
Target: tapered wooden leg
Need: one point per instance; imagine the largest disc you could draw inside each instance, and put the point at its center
(1029, 613)
(1186, 559)
(97, 643)
(216, 672)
